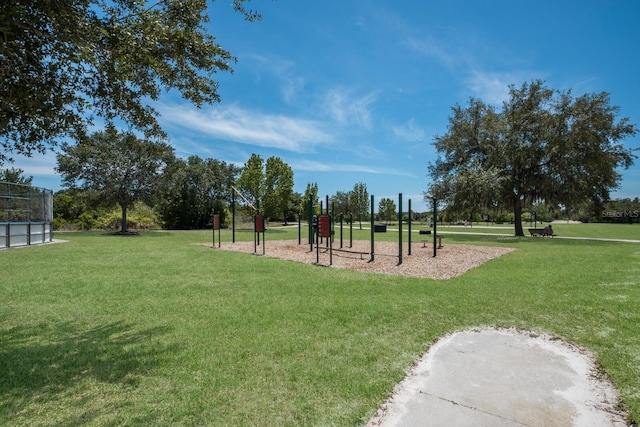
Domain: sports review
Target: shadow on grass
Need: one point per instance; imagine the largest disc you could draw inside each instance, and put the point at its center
(43, 362)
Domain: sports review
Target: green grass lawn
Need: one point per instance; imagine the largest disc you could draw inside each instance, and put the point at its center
(155, 330)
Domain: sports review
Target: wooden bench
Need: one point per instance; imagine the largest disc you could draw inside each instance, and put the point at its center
(541, 232)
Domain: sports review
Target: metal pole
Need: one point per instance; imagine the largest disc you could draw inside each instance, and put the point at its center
(333, 215)
(350, 230)
(409, 236)
(310, 219)
(435, 226)
(399, 228)
(233, 217)
(331, 239)
(258, 213)
(318, 237)
(372, 230)
(341, 219)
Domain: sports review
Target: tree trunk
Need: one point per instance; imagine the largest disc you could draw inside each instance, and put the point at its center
(123, 225)
(517, 212)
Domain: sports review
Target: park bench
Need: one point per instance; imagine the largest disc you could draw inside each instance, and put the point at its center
(541, 232)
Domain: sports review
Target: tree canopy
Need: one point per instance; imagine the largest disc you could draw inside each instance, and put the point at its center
(194, 190)
(64, 62)
(386, 209)
(252, 180)
(359, 201)
(340, 201)
(278, 188)
(117, 167)
(311, 192)
(15, 176)
(544, 145)
(269, 186)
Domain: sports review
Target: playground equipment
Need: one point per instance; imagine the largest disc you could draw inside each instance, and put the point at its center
(315, 236)
(322, 227)
(26, 215)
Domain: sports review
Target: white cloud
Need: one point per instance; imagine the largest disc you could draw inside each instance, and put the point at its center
(493, 88)
(249, 127)
(409, 132)
(349, 109)
(435, 49)
(315, 166)
(283, 71)
(36, 165)
(291, 87)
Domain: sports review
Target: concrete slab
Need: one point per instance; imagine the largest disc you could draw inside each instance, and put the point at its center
(502, 377)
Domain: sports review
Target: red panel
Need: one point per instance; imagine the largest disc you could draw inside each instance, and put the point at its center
(259, 224)
(324, 225)
(216, 222)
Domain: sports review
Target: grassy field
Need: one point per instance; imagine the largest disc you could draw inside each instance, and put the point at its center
(156, 330)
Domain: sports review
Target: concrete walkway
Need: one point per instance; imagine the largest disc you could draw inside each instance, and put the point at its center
(502, 377)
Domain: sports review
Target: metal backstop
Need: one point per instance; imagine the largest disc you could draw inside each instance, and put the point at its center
(26, 215)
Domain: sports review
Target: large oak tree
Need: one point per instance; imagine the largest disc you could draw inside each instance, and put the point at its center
(543, 145)
(63, 62)
(117, 167)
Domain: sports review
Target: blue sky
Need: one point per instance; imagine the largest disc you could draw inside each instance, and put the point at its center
(348, 91)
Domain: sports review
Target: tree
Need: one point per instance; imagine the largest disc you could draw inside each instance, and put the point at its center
(386, 209)
(544, 145)
(15, 176)
(70, 204)
(359, 201)
(471, 190)
(293, 210)
(251, 180)
(311, 192)
(119, 167)
(194, 190)
(63, 62)
(278, 188)
(340, 202)
(267, 187)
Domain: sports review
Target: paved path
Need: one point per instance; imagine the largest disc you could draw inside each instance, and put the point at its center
(502, 377)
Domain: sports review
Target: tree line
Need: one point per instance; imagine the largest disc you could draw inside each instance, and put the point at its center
(112, 168)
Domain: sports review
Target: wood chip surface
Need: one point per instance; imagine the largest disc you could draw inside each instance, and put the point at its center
(450, 261)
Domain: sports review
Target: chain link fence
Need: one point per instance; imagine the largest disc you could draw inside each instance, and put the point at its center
(26, 215)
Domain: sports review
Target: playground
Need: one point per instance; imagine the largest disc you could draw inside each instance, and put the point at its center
(401, 258)
(452, 260)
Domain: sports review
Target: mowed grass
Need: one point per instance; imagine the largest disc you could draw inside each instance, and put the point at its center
(156, 330)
